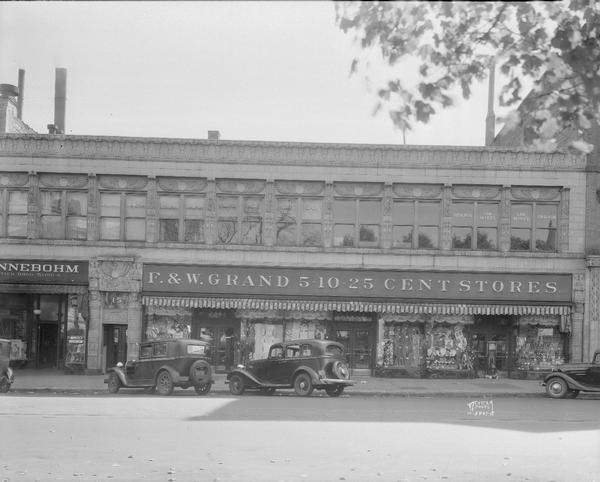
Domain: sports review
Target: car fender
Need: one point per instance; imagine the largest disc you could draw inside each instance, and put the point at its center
(245, 374)
(571, 383)
(120, 373)
(313, 374)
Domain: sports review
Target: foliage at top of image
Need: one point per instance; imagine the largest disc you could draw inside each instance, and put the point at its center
(555, 44)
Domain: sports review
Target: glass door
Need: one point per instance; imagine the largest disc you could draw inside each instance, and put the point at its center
(357, 341)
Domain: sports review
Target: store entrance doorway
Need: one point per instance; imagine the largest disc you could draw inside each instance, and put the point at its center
(492, 345)
(221, 329)
(115, 345)
(358, 342)
(47, 345)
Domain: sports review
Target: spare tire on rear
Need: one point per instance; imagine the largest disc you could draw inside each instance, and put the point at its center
(200, 372)
(340, 370)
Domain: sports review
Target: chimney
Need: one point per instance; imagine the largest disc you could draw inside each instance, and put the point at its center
(21, 94)
(214, 135)
(60, 101)
(490, 120)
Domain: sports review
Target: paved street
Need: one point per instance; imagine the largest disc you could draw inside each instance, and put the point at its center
(287, 438)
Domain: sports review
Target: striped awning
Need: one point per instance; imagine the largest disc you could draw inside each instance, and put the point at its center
(361, 306)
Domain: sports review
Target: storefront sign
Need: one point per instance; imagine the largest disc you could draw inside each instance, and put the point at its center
(360, 284)
(43, 271)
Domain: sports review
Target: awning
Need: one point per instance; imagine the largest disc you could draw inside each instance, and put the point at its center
(362, 306)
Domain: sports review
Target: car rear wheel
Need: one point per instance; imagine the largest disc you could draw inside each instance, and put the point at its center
(164, 383)
(236, 384)
(334, 390)
(202, 389)
(114, 383)
(4, 385)
(303, 385)
(557, 388)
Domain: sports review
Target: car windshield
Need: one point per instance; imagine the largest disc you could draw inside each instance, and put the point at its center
(334, 350)
(196, 349)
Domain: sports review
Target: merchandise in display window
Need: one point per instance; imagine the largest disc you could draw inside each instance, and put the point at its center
(402, 346)
(539, 346)
(448, 349)
(167, 322)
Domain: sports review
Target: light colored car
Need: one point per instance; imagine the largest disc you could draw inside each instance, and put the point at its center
(163, 365)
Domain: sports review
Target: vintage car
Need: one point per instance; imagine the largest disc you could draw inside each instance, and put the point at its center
(566, 381)
(163, 365)
(303, 365)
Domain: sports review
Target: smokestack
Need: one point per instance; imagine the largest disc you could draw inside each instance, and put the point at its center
(60, 100)
(214, 135)
(490, 120)
(21, 94)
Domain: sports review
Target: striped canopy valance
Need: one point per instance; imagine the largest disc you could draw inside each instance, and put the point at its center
(360, 306)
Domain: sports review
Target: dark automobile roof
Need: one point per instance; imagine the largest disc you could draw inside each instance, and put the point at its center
(311, 341)
(183, 341)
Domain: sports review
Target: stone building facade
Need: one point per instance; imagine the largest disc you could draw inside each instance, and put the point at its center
(422, 260)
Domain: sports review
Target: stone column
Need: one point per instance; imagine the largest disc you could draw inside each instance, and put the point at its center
(386, 220)
(269, 216)
(563, 222)
(93, 209)
(446, 234)
(152, 211)
(591, 322)
(504, 233)
(328, 216)
(210, 222)
(33, 207)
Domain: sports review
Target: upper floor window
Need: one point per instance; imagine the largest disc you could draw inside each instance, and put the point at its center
(416, 224)
(357, 222)
(474, 225)
(181, 218)
(533, 227)
(123, 216)
(239, 219)
(299, 222)
(63, 214)
(13, 213)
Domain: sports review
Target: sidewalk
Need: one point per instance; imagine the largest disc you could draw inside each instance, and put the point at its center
(33, 381)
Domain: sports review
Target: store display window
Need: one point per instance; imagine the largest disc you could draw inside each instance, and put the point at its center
(538, 347)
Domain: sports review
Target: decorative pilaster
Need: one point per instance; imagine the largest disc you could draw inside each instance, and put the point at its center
(269, 216)
(151, 211)
(33, 207)
(386, 217)
(93, 209)
(446, 234)
(210, 223)
(563, 221)
(504, 231)
(328, 216)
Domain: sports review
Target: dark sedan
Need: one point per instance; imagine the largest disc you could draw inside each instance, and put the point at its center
(566, 381)
(304, 365)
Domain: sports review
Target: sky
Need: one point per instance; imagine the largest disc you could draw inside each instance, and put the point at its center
(262, 71)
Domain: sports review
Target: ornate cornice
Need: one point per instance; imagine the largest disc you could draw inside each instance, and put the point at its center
(278, 153)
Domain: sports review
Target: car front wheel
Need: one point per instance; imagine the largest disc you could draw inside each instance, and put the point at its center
(236, 384)
(164, 383)
(202, 389)
(334, 390)
(557, 388)
(114, 383)
(303, 385)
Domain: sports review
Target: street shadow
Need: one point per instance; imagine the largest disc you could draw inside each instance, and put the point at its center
(535, 415)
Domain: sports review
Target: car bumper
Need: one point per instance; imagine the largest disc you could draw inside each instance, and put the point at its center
(336, 381)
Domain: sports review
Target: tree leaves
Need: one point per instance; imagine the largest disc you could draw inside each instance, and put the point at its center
(556, 44)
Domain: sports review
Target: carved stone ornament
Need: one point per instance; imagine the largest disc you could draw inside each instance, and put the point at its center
(358, 188)
(423, 191)
(240, 186)
(115, 269)
(178, 184)
(69, 181)
(122, 182)
(300, 188)
(476, 192)
(535, 193)
(13, 179)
